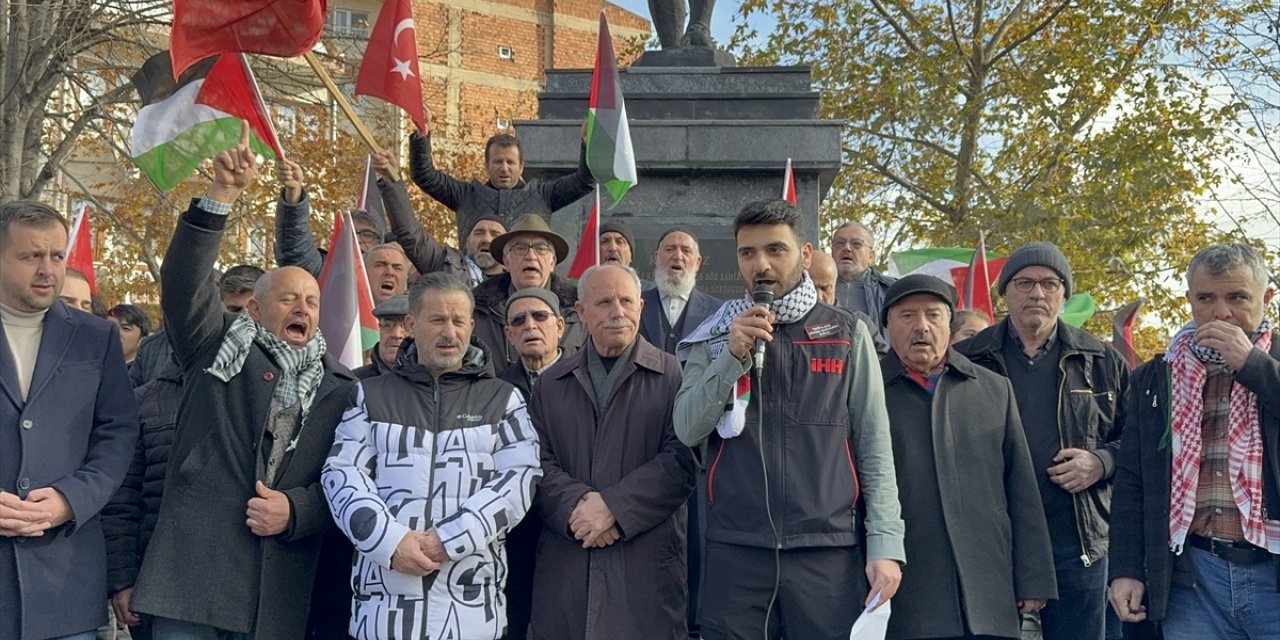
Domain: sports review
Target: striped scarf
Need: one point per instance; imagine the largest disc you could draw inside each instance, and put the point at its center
(300, 369)
(1186, 361)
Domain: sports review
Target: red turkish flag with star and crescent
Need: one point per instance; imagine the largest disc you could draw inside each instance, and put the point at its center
(390, 66)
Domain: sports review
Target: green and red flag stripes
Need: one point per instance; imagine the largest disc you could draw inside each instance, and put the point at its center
(346, 302)
(609, 154)
(1122, 322)
(174, 131)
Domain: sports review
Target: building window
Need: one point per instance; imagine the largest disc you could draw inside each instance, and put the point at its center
(503, 124)
(346, 23)
(506, 53)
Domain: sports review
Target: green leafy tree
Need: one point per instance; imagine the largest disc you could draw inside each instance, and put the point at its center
(1065, 121)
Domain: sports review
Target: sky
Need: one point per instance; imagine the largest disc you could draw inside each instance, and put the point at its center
(722, 24)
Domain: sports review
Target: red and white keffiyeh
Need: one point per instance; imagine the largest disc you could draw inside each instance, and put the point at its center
(1244, 441)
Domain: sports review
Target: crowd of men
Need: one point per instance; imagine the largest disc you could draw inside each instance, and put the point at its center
(527, 457)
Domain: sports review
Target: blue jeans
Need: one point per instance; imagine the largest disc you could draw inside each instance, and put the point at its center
(170, 629)
(1229, 601)
(1079, 611)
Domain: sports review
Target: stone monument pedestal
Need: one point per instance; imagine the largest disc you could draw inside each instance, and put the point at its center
(707, 141)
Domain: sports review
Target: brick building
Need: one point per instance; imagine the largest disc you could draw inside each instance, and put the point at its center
(483, 61)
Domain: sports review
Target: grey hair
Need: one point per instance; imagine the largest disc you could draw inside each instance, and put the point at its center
(241, 279)
(394, 246)
(1218, 259)
(438, 281)
(871, 240)
(582, 282)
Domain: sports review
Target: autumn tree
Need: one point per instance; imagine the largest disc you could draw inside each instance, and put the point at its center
(1026, 119)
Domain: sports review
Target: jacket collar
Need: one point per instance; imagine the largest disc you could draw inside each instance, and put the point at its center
(474, 365)
(644, 356)
(491, 295)
(991, 340)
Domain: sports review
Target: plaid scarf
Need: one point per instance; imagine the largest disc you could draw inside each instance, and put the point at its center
(1186, 361)
(300, 369)
(715, 330)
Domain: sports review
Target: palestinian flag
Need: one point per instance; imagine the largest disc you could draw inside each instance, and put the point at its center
(587, 254)
(1122, 322)
(80, 248)
(789, 185)
(346, 303)
(609, 154)
(369, 199)
(1078, 309)
(182, 123)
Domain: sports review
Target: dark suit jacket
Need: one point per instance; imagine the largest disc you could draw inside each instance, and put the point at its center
(75, 433)
(699, 307)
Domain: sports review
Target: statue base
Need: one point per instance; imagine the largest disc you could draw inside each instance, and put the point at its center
(686, 57)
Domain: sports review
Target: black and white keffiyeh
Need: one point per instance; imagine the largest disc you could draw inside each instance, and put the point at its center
(300, 369)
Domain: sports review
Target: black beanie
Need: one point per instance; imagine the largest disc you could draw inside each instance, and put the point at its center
(618, 226)
(917, 283)
(1043, 254)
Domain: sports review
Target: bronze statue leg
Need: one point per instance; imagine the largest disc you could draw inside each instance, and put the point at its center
(699, 31)
(668, 20)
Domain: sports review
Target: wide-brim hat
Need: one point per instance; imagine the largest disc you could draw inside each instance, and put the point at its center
(530, 224)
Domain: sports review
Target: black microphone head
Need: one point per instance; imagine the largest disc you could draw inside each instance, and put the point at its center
(762, 295)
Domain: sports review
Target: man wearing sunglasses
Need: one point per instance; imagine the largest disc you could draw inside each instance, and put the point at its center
(1070, 391)
(530, 251)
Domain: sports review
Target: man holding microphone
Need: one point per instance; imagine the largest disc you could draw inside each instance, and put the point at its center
(800, 483)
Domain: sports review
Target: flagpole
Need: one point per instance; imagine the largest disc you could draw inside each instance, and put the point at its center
(346, 108)
(597, 212)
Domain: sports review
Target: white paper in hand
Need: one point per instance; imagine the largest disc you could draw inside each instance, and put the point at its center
(871, 625)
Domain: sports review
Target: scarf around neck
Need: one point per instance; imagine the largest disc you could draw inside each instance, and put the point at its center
(1186, 362)
(788, 309)
(300, 369)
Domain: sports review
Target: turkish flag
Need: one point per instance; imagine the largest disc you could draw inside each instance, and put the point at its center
(203, 28)
(390, 66)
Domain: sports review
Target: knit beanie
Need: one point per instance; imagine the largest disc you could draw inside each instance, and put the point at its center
(618, 226)
(1044, 254)
(912, 284)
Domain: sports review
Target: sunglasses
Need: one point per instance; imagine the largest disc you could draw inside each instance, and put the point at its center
(538, 316)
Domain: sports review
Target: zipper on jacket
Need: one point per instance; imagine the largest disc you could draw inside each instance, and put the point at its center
(1075, 509)
(711, 475)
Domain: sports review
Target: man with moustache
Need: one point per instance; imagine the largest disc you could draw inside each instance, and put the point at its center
(976, 534)
(530, 251)
(261, 400)
(433, 463)
(611, 561)
(1197, 498)
(1070, 390)
(393, 329)
(534, 326)
(822, 269)
(674, 307)
(785, 535)
(859, 287)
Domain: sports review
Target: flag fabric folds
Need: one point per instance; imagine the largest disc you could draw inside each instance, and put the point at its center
(1122, 323)
(80, 249)
(587, 254)
(789, 185)
(609, 154)
(975, 294)
(174, 131)
(369, 199)
(204, 28)
(231, 88)
(390, 66)
(346, 309)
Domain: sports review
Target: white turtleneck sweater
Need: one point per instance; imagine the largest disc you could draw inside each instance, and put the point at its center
(22, 331)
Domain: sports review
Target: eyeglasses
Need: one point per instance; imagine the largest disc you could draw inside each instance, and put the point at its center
(368, 235)
(1048, 285)
(538, 316)
(852, 244)
(520, 248)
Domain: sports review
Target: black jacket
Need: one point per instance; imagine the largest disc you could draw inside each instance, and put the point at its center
(422, 249)
(130, 518)
(261, 585)
(1093, 382)
(376, 366)
(491, 316)
(1140, 546)
(472, 199)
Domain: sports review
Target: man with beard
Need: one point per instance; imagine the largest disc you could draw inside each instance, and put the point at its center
(530, 252)
(1197, 497)
(393, 329)
(674, 308)
(504, 194)
(433, 463)
(387, 268)
(797, 447)
(534, 326)
(424, 251)
(976, 534)
(261, 400)
(1070, 390)
(859, 287)
(611, 560)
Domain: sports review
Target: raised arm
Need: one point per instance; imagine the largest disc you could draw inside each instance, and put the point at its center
(441, 186)
(295, 244)
(424, 252)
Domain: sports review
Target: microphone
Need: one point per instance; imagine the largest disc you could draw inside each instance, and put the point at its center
(762, 296)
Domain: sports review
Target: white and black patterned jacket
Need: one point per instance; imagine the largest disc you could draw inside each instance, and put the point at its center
(412, 452)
